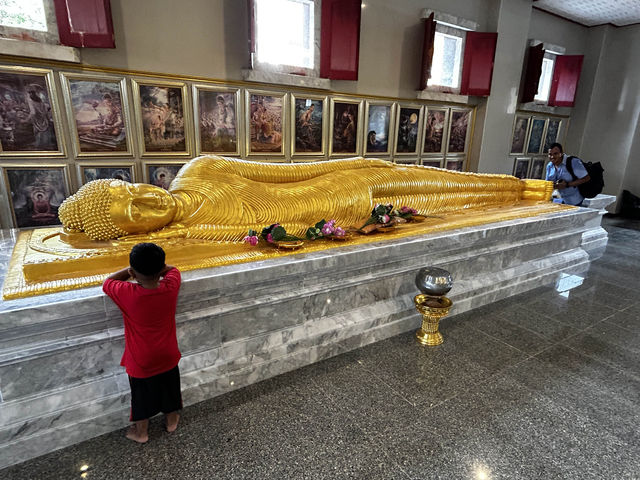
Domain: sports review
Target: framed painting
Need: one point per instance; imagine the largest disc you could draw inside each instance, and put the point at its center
(456, 164)
(408, 123)
(89, 172)
(536, 135)
(551, 135)
(459, 131)
(161, 174)
(538, 171)
(30, 114)
(519, 134)
(434, 129)
(521, 167)
(432, 162)
(406, 161)
(308, 125)
(35, 194)
(345, 124)
(265, 120)
(98, 112)
(379, 117)
(163, 118)
(216, 114)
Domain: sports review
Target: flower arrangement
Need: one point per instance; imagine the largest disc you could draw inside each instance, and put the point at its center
(272, 234)
(325, 229)
(384, 215)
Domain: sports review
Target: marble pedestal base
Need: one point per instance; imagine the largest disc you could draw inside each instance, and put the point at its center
(61, 382)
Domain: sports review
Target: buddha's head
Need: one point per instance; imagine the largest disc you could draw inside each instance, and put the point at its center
(106, 209)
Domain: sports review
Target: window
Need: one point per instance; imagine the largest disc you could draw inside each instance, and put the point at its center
(447, 52)
(544, 85)
(447, 58)
(27, 14)
(31, 20)
(285, 34)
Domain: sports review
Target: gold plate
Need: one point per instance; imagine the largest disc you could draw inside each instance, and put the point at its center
(418, 218)
(388, 228)
(289, 244)
(339, 238)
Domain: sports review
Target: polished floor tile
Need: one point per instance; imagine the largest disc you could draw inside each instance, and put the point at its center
(542, 385)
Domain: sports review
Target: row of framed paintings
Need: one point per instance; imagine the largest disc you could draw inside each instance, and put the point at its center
(224, 120)
(527, 167)
(36, 191)
(533, 135)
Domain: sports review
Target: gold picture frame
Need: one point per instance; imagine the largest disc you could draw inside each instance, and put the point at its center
(308, 127)
(163, 118)
(520, 134)
(34, 103)
(435, 131)
(521, 167)
(87, 172)
(35, 192)
(459, 131)
(215, 131)
(408, 129)
(432, 162)
(101, 104)
(161, 173)
(376, 144)
(265, 123)
(455, 163)
(345, 138)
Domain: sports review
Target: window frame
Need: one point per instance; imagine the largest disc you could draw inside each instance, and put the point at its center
(257, 65)
(552, 57)
(50, 37)
(457, 32)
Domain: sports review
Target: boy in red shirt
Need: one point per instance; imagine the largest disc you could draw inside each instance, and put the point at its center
(151, 352)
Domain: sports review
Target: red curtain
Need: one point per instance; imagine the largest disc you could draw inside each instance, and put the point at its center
(566, 74)
(85, 23)
(340, 39)
(532, 73)
(427, 51)
(477, 67)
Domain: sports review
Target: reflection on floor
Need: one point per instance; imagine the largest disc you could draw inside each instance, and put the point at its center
(542, 385)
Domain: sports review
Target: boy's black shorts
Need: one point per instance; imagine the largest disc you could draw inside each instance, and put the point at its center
(152, 395)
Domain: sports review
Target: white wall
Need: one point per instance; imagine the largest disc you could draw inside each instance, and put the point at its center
(611, 126)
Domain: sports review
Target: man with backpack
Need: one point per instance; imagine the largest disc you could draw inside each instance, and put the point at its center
(566, 177)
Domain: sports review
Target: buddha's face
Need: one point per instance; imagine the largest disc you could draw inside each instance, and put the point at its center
(139, 208)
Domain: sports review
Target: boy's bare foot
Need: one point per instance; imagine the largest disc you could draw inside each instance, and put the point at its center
(132, 434)
(172, 421)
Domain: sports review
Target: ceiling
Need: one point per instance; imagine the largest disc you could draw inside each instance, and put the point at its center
(594, 12)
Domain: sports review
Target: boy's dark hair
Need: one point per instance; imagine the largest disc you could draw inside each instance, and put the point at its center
(556, 144)
(147, 259)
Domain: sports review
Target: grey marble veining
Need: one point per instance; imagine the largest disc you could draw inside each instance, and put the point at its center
(237, 325)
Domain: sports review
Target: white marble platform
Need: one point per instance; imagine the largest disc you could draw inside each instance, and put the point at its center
(60, 379)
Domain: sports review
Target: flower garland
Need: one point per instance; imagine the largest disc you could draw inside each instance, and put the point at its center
(272, 234)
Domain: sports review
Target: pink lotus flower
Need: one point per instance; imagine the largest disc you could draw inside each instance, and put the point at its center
(327, 229)
(251, 239)
(385, 218)
(269, 238)
(338, 232)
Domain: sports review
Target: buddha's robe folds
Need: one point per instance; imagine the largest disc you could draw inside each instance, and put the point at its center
(229, 195)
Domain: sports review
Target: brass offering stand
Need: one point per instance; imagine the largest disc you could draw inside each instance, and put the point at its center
(434, 283)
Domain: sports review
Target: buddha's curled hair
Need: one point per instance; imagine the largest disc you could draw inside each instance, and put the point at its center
(88, 211)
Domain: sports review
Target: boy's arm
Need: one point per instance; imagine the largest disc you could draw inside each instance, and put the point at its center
(122, 275)
(166, 268)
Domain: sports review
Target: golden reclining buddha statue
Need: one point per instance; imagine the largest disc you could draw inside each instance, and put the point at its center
(213, 201)
(217, 198)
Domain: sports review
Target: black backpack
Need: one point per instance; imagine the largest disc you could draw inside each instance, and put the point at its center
(595, 185)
